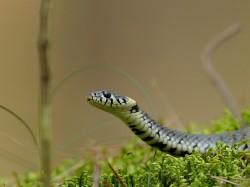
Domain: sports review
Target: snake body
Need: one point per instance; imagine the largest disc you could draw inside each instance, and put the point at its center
(156, 135)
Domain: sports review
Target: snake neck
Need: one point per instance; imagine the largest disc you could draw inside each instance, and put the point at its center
(151, 132)
(174, 142)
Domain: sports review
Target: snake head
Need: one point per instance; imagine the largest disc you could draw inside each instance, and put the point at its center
(110, 102)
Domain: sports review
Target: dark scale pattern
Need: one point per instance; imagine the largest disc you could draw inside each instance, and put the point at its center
(131, 126)
(138, 132)
(134, 109)
(245, 147)
(160, 145)
(148, 138)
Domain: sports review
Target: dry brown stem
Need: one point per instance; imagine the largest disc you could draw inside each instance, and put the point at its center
(215, 77)
(45, 121)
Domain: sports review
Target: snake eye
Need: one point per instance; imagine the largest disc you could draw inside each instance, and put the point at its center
(106, 94)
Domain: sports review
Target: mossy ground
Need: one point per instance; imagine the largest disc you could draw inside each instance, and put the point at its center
(138, 165)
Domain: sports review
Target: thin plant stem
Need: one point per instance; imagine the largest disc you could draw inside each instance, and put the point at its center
(45, 121)
(117, 175)
(110, 67)
(96, 174)
(224, 180)
(215, 77)
(24, 124)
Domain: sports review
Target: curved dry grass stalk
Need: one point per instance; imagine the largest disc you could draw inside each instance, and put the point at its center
(24, 124)
(215, 77)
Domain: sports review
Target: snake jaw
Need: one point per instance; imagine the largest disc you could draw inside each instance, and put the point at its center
(88, 98)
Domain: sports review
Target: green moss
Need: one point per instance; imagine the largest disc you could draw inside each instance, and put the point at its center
(139, 165)
(135, 167)
(246, 116)
(226, 123)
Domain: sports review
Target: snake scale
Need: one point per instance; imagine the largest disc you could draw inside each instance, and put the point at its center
(156, 135)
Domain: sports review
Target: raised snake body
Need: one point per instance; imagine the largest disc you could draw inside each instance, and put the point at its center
(156, 135)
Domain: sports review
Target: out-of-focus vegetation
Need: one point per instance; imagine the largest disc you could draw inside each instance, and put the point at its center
(139, 165)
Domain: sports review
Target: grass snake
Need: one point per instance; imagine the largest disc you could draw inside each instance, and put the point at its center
(156, 135)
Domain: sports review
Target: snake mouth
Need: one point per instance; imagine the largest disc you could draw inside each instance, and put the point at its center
(89, 98)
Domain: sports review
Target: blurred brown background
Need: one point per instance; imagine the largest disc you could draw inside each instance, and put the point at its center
(153, 41)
